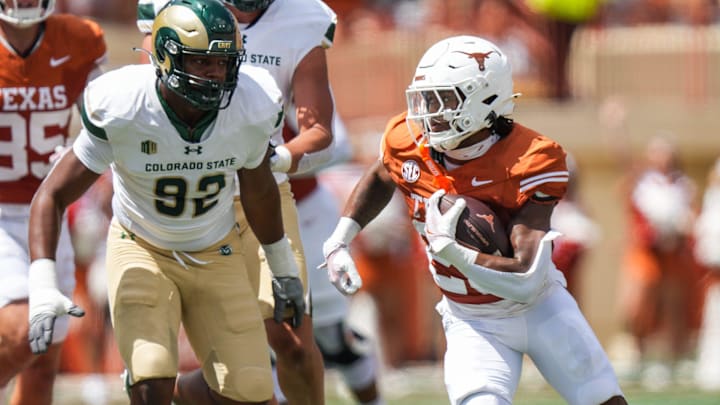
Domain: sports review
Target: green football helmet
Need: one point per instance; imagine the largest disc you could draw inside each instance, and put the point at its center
(249, 5)
(196, 27)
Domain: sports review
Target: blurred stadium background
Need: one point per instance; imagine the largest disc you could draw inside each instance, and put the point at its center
(635, 69)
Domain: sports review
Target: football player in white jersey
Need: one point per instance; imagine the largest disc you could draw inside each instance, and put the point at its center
(45, 62)
(343, 348)
(289, 38)
(175, 134)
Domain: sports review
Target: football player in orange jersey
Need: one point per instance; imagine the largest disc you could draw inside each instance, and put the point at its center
(45, 62)
(456, 138)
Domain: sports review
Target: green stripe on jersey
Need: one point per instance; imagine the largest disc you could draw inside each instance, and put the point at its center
(92, 128)
(279, 119)
(330, 33)
(187, 133)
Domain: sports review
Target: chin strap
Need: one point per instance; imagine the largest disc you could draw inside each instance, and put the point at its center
(440, 179)
(475, 150)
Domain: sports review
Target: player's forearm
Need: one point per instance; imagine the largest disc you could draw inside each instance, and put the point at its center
(260, 199)
(521, 286)
(370, 196)
(527, 229)
(264, 216)
(311, 148)
(44, 227)
(67, 181)
(525, 243)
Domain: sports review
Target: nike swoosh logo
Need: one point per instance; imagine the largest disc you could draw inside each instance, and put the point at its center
(59, 61)
(477, 183)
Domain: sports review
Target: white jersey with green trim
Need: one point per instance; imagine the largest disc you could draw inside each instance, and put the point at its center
(277, 41)
(171, 192)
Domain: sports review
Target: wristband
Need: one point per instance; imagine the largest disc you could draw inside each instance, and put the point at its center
(282, 160)
(345, 230)
(41, 274)
(281, 259)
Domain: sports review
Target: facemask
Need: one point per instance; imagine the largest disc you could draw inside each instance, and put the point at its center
(473, 151)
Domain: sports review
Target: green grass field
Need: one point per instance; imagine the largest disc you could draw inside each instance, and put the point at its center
(412, 386)
(635, 397)
(424, 386)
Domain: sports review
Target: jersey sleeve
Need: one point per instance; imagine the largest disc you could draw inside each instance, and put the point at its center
(328, 37)
(95, 47)
(95, 153)
(273, 126)
(544, 173)
(111, 100)
(313, 25)
(83, 44)
(91, 117)
(85, 41)
(264, 114)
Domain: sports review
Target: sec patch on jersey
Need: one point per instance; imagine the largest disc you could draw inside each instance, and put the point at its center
(478, 227)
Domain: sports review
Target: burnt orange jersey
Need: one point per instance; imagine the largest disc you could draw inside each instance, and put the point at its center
(505, 177)
(37, 93)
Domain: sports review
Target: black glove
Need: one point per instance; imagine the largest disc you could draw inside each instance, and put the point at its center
(288, 292)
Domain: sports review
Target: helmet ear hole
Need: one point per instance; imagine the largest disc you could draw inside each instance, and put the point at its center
(490, 99)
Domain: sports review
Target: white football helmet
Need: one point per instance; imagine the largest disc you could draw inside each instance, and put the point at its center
(24, 16)
(461, 85)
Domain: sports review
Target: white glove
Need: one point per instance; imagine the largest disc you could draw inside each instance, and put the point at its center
(440, 228)
(281, 159)
(340, 267)
(46, 304)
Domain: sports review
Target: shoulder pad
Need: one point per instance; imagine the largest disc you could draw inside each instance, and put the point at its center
(114, 97)
(397, 134)
(86, 39)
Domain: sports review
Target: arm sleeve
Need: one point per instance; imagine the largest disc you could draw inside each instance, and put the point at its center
(520, 287)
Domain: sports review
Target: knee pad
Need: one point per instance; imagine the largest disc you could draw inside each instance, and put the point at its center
(250, 384)
(340, 345)
(151, 360)
(348, 352)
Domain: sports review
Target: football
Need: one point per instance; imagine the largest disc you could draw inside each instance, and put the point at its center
(478, 227)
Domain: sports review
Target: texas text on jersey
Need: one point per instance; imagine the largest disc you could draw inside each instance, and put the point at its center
(37, 92)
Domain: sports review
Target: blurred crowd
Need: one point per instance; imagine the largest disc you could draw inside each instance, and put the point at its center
(536, 34)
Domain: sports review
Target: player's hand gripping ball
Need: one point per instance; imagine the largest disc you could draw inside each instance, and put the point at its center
(478, 227)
